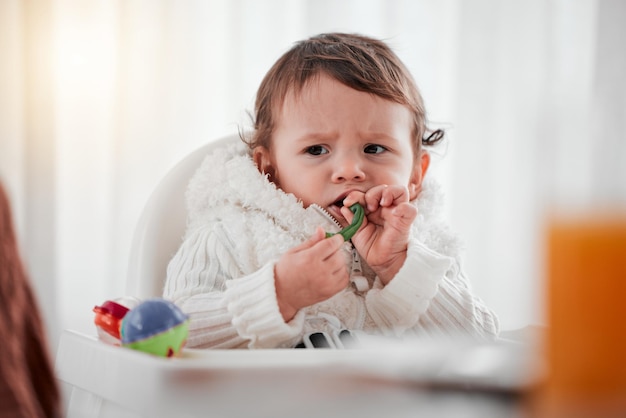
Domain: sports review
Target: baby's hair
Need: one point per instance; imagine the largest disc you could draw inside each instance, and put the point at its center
(359, 62)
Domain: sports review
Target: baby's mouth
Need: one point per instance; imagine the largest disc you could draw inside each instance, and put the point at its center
(335, 210)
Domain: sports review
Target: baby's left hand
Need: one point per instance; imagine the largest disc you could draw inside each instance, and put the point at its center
(383, 238)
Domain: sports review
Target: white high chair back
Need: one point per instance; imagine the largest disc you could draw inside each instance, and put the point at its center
(161, 225)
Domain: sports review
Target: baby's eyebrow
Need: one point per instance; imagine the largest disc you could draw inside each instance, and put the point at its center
(374, 136)
(318, 137)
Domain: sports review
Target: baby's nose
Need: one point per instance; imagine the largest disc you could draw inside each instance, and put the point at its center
(349, 168)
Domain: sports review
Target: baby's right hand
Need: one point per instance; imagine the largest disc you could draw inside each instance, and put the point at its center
(310, 273)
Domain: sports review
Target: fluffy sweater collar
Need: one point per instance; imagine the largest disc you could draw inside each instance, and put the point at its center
(228, 179)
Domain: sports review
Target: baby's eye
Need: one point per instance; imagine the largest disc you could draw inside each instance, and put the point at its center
(316, 150)
(374, 149)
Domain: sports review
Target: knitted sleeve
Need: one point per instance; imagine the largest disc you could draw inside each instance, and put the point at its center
(430, 294)
(227, 308)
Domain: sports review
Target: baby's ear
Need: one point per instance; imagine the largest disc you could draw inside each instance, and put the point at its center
(262, 159)
(419, 171)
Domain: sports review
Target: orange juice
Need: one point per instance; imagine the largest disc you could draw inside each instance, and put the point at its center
(586, 302)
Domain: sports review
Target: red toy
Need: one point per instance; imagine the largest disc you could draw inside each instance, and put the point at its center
(109, 317)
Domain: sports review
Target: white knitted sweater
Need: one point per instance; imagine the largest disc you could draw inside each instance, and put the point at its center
(239, 224)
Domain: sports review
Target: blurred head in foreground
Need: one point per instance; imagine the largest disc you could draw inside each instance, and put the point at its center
(27, 384)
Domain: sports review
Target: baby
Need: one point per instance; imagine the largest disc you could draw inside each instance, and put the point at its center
(338, 120)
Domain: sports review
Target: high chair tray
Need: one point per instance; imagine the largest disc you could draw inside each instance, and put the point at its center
(102, 380)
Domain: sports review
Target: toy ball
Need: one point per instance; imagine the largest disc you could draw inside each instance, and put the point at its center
(155, 326)
(109, 315)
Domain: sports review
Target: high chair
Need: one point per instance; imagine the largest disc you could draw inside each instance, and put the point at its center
(100, 380)
(82, 359)
(161, 225)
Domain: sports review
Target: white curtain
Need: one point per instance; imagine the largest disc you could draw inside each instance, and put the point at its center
(99, 98)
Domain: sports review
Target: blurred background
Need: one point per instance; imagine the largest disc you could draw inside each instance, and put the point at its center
(98, 99)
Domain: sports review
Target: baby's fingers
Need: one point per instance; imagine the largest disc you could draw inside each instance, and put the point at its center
(404, 214)
(318, 246)
(318, 236)
(388, 196)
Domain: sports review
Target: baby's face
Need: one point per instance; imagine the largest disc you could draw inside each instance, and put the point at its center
(331, 140)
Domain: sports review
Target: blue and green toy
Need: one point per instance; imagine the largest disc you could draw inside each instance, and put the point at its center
(156, 326)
